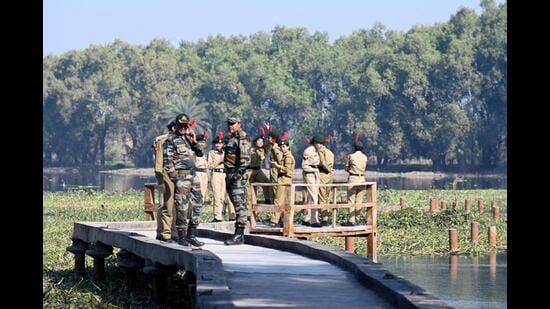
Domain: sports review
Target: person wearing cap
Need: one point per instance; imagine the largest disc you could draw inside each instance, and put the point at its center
(201, 168)
(236, 162)
(326, 164)
(215, 164)
(284, 176)
(310, 173)
(255, 173)
(165, 213)
(179, 150)
(356, 164)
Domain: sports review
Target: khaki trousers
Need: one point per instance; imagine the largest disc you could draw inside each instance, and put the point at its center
(166, 212)
(203, 177)
(355, 195)
(324, 194)
(220, 196)
(281, 197)
(311, 215)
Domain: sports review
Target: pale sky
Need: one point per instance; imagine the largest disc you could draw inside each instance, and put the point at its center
(75, 24)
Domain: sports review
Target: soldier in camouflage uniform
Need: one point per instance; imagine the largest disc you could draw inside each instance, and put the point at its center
(179, 149)
(236, 163)
(356, 164)
(326, 164)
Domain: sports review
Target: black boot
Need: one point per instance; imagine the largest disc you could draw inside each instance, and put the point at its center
(182, 239)
(237, 238)
(192, 237)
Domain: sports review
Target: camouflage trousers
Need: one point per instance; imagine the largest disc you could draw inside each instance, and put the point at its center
(187, 199)
(236, 192)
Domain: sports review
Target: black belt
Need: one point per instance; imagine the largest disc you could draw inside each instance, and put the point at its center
(218, 170)
(203, 170)
(255, 168)
(352, 174)
(283, 175)
(309, 172)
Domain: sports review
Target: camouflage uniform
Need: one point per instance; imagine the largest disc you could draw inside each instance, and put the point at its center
(236, 162)
(179, 165)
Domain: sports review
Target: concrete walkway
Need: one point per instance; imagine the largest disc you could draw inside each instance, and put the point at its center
(260, 277)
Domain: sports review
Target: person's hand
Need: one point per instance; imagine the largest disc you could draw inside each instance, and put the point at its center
(237, 176)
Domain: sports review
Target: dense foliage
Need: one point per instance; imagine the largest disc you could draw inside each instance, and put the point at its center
(435, 92)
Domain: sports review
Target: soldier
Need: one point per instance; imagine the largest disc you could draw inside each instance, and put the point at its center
(165, 212)
(284, 176)
(310, 172)
(179, 149)
(201, 168)
(356, 164)
(326, 164)
(275, 155)
(236, 162)
(255, 173)
(215, 164)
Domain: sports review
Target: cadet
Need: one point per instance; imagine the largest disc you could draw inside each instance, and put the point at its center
(356, 164)
(215, 164)
(165, 212)
(201, 168)
(236, 162)
(310, 172)
(179, 149)
(326, 164)
(275, 155)
(284, 176)
(255, 173)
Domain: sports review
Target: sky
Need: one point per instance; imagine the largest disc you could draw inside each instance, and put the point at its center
(76, 24)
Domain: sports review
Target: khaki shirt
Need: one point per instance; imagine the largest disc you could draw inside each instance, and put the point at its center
(201, 162)
(356, 163)
(326, 160)
(257, 157)
(288, 164)
(158, 152)
(215, 159)
(311, 160)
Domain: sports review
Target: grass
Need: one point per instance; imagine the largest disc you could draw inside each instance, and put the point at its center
(410, 231)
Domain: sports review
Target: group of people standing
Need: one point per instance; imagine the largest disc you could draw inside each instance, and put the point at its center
(181, 169)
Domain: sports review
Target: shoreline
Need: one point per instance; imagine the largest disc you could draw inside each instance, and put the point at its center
(297, 173)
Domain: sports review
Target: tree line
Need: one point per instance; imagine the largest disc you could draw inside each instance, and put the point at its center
(434, 92)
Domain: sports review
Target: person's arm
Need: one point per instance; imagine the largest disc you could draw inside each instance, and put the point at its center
(288, 165)
(244, 154)
(211, 160)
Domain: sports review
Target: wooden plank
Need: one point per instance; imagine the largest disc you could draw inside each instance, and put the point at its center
(344, 205)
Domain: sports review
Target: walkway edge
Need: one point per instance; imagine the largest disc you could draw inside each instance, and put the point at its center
(396, 290)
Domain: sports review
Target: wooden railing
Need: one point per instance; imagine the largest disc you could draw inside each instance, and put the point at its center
(290, 229)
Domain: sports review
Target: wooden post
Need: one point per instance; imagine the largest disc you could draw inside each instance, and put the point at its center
(495, 211)
(334, 210)
(493, 236)
(350, 245)
(254, 204)
(455, 205)
(492, 266)
(99, 252)
(372, 247)
(453, 243)
(433, 204)
(402, 202)
(443, 205)
(467, 206)
(475, 232)
(78, 248)
(480, 206)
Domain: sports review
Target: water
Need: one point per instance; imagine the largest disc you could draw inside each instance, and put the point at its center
(118, 183)
(460, 281)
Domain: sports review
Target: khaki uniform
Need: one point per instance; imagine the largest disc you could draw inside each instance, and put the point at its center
(202, 172)
(215, 164)
(284, 176)
(165, 223)
(356, 164)
(326, 164)
(310, 172)
(255, 174)
(275, 155)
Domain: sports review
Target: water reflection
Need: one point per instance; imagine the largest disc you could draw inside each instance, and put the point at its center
(460, 281)
(115, 182)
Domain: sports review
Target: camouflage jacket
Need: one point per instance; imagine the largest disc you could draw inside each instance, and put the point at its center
(237, 152)
(179, 152)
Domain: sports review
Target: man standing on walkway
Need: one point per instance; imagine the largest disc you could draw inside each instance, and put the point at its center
(310, 173)
(179, 149)
(236, 163)
(326, 164)
(165, 213)
(356, 164)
